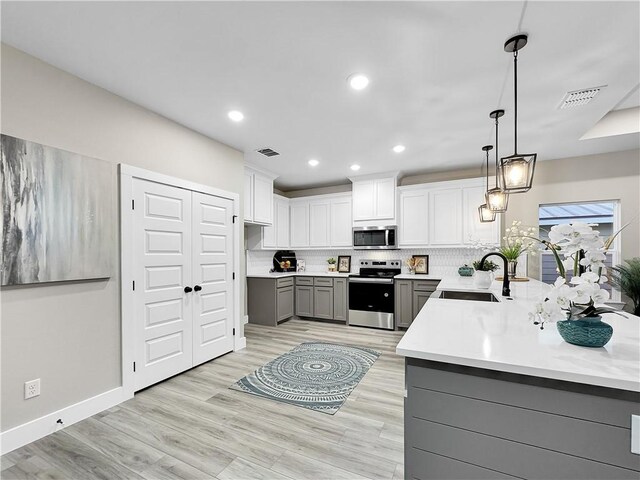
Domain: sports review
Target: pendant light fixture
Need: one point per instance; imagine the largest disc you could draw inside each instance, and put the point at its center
(517, 170)
(497, 200)
(486, 215)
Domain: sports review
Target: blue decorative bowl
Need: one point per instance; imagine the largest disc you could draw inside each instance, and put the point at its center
(466, 271)
(586, 332)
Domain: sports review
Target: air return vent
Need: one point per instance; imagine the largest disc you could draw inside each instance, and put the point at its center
(267, 152)
(579, 97)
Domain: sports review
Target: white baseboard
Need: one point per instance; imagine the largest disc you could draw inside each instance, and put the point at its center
(41, 427)
(246, 319)
(240, 343)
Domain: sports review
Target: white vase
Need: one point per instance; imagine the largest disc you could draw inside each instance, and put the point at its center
(482, 279)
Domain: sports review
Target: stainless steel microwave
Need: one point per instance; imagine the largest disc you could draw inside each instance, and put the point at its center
(375, 238)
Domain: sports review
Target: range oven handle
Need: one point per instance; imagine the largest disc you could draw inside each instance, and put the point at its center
(371, 280)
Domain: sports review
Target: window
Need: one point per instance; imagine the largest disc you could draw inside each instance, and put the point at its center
(605, 214)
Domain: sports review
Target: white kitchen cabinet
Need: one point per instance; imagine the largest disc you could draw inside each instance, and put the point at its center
(322, 221)
(385, 198)
(445, 216)
(299, 215)
(413, 225)
(276, 236)
(258, 196)
(319, 211)
(364, 200)
(340, 231)
(473, 229)
(281, 208)
(374, 200)
(248, 196)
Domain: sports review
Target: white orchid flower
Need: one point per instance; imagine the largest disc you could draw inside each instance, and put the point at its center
(587, 277)
(563, 296)
(600, 296)
(552, 312)
(584, 291)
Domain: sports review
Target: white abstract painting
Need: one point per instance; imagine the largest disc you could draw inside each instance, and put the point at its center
(57, 214)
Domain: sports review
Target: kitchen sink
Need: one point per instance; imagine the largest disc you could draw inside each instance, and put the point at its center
(474, 296)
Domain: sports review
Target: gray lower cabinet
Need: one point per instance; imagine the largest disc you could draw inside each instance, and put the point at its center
(463, 423)
(304, 301)
(284, 303)
(321, 297)
(323, 302)
(270, 300)
(419, 299)
(340, 301)
(411, 295)
(404, 303)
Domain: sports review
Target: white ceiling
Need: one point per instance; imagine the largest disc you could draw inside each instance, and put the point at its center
(437, 69)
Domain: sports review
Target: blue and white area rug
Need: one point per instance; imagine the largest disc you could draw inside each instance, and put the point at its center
(315, 375)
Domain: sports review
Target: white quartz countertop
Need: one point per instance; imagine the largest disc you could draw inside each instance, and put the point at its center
(500, 336)
(297, 274)
(417, 276)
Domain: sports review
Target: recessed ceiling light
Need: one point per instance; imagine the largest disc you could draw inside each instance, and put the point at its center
(313, 162)
(235, 115)
(358, 81)
(355, 167)
(399, 148)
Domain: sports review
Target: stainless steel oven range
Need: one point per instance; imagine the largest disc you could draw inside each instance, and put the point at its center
(371, 294)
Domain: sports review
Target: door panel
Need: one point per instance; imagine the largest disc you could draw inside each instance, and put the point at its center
(161, 269)
(385, 198)
(248, 196)
(299, 224)
(341, 223)
(262, 199)
(212, 262)
(445, 217)
(413, 217)
(282, 226)
(319, 224)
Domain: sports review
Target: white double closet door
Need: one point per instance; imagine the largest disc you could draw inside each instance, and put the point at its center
(183, 267)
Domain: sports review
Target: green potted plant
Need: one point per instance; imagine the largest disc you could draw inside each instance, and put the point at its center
(627, 279)
(483, 276)
(332, 264)
(516, 242)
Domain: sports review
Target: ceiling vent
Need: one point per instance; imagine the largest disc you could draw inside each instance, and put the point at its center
(579, 97)
(267, 152)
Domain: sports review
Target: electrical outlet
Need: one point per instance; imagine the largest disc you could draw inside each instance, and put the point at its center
(31, 388)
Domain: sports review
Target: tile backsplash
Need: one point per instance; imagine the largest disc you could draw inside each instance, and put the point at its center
(442, 261)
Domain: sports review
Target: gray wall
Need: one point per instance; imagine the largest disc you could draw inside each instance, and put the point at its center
(68, 335)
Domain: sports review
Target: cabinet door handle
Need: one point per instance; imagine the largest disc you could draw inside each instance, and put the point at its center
(197, 288)
(187, 289)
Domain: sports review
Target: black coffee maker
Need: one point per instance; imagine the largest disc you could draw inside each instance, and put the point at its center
(284, 261)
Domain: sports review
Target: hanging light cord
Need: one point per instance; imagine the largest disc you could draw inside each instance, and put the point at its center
(496, 151)
(487, 170)
(515, 105)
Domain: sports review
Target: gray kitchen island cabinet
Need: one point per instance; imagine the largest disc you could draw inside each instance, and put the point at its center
(270, 300)
(471, 423)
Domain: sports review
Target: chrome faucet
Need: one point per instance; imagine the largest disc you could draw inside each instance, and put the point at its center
(506, 291)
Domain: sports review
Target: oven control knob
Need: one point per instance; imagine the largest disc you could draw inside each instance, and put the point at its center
(386, 294)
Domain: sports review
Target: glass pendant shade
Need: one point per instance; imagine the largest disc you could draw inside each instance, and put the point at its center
(497, 200)
(486, 215)
(516, 172)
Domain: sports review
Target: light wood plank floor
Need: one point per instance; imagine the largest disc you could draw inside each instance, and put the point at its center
(193, 426)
